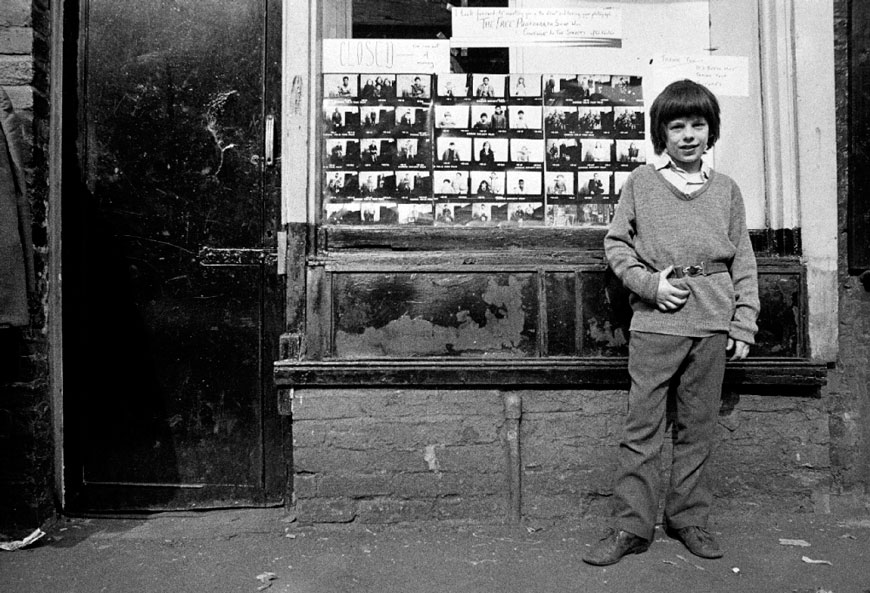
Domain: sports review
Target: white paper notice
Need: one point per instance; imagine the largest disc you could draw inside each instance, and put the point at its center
(354, 56)
(724, 75)
(503, 27)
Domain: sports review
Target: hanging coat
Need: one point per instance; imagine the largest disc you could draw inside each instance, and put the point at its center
(17, 278)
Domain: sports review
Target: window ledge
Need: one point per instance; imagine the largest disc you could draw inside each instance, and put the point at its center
(522, 373)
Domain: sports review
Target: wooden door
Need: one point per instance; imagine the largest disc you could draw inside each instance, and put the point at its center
(172, 302)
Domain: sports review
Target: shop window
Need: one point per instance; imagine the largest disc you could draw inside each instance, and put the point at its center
(437, 239)
(541, 148)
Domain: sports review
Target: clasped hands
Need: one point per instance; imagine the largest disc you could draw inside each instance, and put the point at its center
(670, 298)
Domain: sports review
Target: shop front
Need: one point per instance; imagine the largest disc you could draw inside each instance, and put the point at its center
(346, 256)
(454, 344)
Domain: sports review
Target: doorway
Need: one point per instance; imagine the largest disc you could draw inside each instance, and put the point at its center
(172, 304)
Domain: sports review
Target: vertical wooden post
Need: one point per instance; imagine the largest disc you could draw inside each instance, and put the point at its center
(300, 65)
(55, 190)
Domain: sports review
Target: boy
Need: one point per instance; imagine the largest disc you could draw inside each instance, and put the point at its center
(679, 243)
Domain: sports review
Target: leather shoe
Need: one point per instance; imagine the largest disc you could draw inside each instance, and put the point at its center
(698, 541)
(614, 546)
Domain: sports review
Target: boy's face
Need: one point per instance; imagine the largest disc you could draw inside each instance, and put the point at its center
(687, 141)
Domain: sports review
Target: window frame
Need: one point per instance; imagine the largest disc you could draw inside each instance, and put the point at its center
(310, 243)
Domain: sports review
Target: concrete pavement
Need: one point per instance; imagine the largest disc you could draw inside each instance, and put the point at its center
(250, 550)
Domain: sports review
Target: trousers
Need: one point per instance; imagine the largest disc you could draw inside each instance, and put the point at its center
(692, 370)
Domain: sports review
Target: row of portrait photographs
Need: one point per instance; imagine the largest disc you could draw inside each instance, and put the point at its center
(378, 88)
(571, 153)
(488, 87)
(475, 184)
(561, 153)
(589, 214)
(488, 118)
(592, 89)
(350, 185)
(383, 212)
(595, 121)
(497, 118)
(488, 152)
(355, 121)
(585, 186)
(404, 88)
(428, 213)
(484, 184)
(489, 213)
(378, 153)
(468, 214)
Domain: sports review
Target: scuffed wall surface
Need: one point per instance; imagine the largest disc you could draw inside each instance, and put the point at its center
(26, 441)
(847, 395)
(384, 456)
(848, 392)
(387, 456)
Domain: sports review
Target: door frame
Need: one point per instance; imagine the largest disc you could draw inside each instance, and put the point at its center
(62, 83)
(64, 173)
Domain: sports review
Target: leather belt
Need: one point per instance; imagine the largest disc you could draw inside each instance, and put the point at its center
(702, 269)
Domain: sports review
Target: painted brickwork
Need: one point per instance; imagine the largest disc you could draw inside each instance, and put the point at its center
(388, 455)
(26, 471)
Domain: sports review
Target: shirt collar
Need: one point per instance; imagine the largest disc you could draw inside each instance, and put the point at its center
(664, 161)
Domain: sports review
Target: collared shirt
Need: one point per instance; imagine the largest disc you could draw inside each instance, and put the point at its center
(680, 178)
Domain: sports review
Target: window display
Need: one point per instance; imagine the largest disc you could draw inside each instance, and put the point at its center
(479, 149)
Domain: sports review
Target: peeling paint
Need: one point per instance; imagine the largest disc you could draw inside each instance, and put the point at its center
(431, 458)
(606, 334)
(296, 95)
(214, 109)
(501, 333)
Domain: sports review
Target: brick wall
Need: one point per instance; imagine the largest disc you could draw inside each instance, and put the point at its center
(848, 393)
(406, 455)
(26, 471)
(386, 456)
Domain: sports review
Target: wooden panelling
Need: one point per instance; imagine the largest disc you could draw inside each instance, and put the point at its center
(391, 308)
(430, 314)
(766, 243)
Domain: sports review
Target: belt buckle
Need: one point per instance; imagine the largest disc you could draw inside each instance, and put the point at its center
(692, 271)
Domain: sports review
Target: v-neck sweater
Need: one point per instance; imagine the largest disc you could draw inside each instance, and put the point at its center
(656, 225)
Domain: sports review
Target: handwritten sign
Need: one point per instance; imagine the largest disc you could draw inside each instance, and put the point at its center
(424, 56)
(503, 27)
(724, 75)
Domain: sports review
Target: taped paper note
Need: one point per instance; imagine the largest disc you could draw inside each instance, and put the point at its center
(593, 26)
(424, 56)
(724, 75)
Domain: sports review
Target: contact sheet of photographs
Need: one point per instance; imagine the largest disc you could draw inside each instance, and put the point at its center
(479, 149)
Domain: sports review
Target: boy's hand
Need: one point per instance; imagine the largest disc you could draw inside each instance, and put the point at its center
(668, 296)
(741, 349)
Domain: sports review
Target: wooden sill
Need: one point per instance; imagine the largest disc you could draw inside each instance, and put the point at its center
(526, 373)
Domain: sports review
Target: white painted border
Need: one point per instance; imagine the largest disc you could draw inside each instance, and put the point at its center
(779, 113)
(813, 35)
(300, 57)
